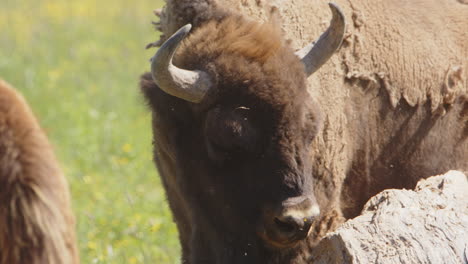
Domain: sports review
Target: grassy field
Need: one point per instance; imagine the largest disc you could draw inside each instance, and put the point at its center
(78, 63)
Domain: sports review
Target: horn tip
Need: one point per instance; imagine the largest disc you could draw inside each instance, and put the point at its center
(335, 8)
(333, 5)
(337, 13)
(186, 28)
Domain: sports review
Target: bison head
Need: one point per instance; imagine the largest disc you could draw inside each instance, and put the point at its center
(232, 123)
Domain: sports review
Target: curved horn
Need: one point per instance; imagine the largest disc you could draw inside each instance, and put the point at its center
(317, 53)
(187, 85)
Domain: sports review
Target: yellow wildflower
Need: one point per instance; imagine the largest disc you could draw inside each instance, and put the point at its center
(127, 148)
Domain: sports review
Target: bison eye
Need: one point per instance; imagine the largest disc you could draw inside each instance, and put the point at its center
(230, 132)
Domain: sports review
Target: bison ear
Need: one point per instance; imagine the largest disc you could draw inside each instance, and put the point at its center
(317, 53)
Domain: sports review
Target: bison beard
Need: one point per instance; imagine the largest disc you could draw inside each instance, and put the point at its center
(239, 145)
(36, 222)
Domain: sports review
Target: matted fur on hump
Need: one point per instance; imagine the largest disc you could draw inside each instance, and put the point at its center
(237, 36)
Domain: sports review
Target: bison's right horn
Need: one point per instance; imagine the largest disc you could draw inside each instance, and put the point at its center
(316, 54)
(187, 85)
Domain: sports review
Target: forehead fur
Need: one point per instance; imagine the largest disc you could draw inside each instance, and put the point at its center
(245, 57)
(237, 35)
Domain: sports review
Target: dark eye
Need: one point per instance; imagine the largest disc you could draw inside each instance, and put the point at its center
(230, 133)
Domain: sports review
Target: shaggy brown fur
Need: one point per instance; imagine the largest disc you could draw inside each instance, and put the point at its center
(235, 35)
(393, 105)
(36, 222)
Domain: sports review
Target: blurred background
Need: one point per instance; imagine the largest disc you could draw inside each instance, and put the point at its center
(78, 63)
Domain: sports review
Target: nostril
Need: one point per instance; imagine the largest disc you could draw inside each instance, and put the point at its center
(290, 222)
(285, 226)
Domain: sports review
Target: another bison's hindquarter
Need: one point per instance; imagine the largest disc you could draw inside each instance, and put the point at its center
(36, 222)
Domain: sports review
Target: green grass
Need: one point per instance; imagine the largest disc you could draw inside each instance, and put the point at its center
(78, 63)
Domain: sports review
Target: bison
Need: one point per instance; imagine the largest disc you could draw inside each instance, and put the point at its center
(36, 222)
(257, 162)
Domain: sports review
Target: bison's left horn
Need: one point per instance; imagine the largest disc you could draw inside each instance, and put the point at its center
(317, 53)
(187, 85)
